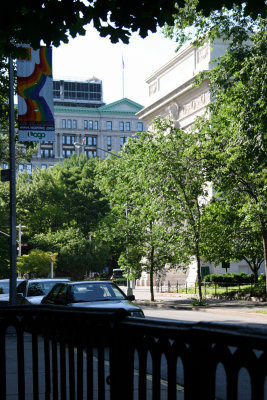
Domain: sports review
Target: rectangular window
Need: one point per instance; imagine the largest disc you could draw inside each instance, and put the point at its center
(74, 122)
(128, 126)
(90, 153)
(63, 123)
(69, 123)
(91, 125)
(20, 168)
(29, 169)
(67, 153)
(140, 126)
(90, 140)
(121, 126)
(43, 166)
(109, 126)
(69, 140)
(47, 153)
(109, 140)
(85, 124)
(96, 125)
(123, 140)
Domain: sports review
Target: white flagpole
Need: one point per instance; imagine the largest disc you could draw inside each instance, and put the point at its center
(122, 77)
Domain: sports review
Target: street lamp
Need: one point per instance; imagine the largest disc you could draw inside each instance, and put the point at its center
(79, 145)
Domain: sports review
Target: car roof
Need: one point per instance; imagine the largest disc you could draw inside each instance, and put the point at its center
(83, 282)
(48, 280)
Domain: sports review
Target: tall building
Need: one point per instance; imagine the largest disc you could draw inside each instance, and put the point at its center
(82, 117)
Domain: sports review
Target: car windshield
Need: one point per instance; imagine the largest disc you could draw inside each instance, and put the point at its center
(95, 292)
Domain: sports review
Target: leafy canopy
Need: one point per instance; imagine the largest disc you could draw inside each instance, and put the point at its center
(29, 21)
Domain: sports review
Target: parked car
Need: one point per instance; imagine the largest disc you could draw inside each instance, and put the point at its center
(4, 285)
(92, 294)
(32, 291)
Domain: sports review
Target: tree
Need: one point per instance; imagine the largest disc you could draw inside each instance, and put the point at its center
(30, 21)
(37, 262)
(60, 208)
(138, 224)
(234, 21)
(232, 136)
(77, 257)
(227, 236)
(181, 189)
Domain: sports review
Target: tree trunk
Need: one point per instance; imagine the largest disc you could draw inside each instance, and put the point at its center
(264, 238)
(198, 273)
(151, 274)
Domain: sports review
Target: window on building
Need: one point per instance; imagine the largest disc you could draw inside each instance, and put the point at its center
(67, 139)
(63, 123)
(29, 169)
(47, 153)
(121, 126)
(91, 125)
(43, 166)
(109, 140)
(90, 140)
(20, 168)
(96, 125)
(69, 123)
(90, 153)
(5, 166)
(74, 124)
(140, 126)
(67, 153)
(56, 89)
(85, 124)
(123, 140)
(109, 125)
(128, 126)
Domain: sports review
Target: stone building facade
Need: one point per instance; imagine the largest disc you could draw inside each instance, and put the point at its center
(172, 94)
(99, 130)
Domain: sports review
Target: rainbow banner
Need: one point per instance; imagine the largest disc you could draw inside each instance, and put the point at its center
(35, 96)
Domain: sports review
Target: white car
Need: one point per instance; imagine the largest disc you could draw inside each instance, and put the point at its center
(32, 291)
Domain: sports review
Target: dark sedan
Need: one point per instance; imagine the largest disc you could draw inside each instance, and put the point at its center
(94, 294)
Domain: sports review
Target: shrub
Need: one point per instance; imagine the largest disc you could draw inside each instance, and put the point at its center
(229, 278)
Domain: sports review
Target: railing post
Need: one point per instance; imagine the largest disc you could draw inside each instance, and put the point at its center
(121, 365)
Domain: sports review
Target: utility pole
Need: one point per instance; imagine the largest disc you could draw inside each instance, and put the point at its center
(12, 166)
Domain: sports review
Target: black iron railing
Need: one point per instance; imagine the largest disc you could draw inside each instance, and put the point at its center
(54, 353)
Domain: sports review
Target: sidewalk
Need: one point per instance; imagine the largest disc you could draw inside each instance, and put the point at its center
(181, 301)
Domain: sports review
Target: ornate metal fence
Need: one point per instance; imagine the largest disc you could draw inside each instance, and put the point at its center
(54, 353)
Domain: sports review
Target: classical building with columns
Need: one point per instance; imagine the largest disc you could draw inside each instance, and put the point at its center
(172, 94)
(82, 117)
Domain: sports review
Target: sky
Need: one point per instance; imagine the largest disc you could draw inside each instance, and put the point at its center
(90, 55)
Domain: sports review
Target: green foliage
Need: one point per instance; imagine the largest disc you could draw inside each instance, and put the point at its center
(76, 255)
(230, 21)
(231, 141)
(37, 262)
(230, 278)
(196, 302)
(130, 262)
(55, 21)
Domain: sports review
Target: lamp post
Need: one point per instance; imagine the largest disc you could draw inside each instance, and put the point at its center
(129, 285)
(19, 241)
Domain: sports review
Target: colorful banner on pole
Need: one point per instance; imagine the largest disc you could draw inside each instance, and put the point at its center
(35, 96)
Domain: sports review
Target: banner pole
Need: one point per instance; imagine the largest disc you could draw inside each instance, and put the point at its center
(12, 166)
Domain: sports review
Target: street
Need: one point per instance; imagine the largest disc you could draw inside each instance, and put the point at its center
(215, 315)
